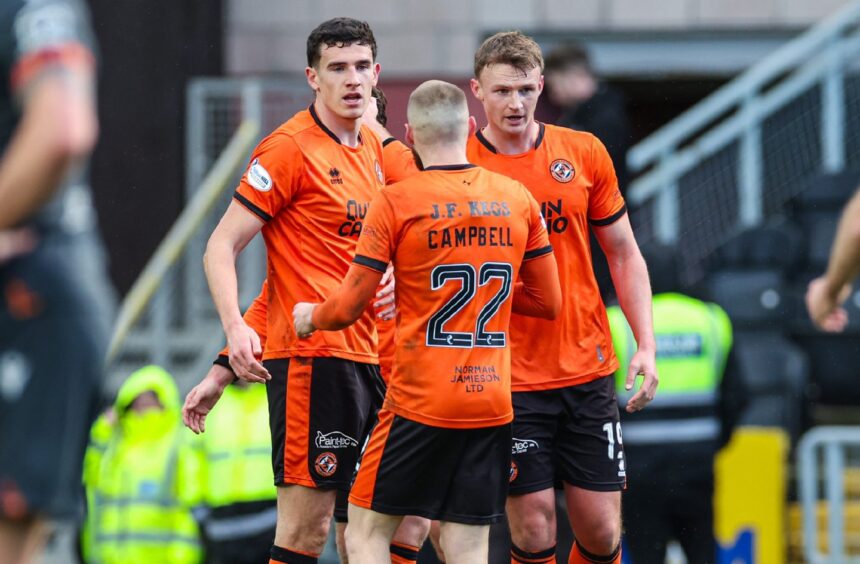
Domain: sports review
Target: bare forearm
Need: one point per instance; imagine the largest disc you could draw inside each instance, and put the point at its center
(630, 278)
(844, 265)
(220, 265)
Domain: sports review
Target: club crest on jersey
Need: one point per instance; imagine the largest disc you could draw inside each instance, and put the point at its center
(258, 177)
(522, 446)
(335, 439)
(326, 464)
(379, 175)
(562, 170)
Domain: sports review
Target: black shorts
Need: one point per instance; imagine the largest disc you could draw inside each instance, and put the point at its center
(320, 411)
(53, 333)
(571, 434)
(456, 475)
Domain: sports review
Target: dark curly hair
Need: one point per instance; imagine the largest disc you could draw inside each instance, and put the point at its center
(339, 32)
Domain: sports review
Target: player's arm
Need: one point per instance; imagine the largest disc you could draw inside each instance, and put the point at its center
(342, 308)
(203, 397)
(630, 277)
(58, 128)
(230, 237)
(826, 293)
(538, 291)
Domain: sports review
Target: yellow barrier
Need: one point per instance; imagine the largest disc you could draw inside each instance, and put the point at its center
(750, 497)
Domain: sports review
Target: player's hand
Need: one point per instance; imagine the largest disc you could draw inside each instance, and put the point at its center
(302, 313)
(384, 304)
(245, 352)
(643, 363)
(825, 308)
(368, 118)
(16, 242)
(203, 397)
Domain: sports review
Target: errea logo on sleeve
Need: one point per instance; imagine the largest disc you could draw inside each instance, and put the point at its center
(258, 177)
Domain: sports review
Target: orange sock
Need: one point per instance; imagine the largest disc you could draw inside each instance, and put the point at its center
(403, 553)
(579, 555)
(520, 556)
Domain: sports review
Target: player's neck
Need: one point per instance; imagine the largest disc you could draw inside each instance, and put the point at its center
(345, 129)
(512, 144)
(442, 156)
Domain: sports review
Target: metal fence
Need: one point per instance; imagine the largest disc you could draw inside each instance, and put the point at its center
(829, 479)
(168, 318)
(735, 159)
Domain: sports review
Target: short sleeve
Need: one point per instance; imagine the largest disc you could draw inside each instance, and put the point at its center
(605, 202)
(273, 176)
(376, 243)
(399, 161)
(538, 242)
(47, 33)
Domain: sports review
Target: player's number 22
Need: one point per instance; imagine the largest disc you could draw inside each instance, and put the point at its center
(469, 281)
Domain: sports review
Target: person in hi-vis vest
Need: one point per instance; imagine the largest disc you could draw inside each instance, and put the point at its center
(142, 476)
(673, 442)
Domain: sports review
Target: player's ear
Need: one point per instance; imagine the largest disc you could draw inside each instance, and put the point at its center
(376, 68)
(540, 85)
(473, 125)
(475, 86)
(410, 137)
(311, 75)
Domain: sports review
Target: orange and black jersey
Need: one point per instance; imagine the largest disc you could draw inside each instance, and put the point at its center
(312, 193)
(457, 236)
(571, 175)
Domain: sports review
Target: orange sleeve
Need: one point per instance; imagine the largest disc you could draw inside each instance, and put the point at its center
(31, 64)
(538, 293)
(605, 203)
(399, 161)
(256, 318)
(347, 303)
(376, 243)
(272, 177)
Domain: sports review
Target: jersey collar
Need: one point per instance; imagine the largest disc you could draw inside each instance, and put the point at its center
(451, 167)
(486, 142)
(322, 126)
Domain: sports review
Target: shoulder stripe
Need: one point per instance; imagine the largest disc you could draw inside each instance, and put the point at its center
(252, 207)
(388, 140)
(535, 253)
(609, 220)
(370, 263)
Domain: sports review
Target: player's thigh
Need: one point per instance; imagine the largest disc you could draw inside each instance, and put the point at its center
(533, 444)
(319, 410)
(589, 448)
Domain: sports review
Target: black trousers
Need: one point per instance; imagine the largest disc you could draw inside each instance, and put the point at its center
(669, 497)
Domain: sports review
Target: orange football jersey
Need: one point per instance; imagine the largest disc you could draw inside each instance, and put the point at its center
(571, 175)
(312, 193)
(457, 236)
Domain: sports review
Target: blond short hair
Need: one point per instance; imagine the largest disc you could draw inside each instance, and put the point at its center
(509, 48)
(437, 112)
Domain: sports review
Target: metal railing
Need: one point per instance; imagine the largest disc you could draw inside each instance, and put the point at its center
(736, 157)
(824, 454)
(168, 317)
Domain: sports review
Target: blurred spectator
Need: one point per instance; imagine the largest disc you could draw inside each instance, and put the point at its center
(826, 293)
(588, 104)
(672, 444)
(238, 523)
(142, 476)
(55, 298)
